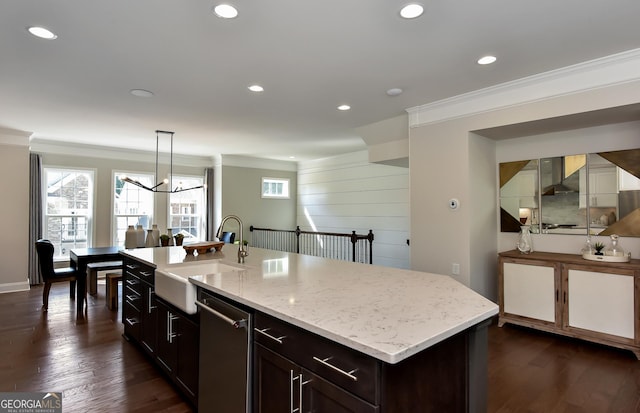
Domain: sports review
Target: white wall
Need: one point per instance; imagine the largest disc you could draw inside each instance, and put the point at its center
(346, 193)
(439, 146)
(14, 208)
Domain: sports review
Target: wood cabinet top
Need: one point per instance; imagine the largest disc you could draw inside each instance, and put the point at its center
(634, 264)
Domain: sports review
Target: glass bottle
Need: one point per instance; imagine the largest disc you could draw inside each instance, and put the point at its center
(525, 244)
(588, 247)
(613, 249)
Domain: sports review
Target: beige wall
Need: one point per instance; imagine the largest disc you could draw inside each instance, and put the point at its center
(441, 157)
(241, 196)
(104, 168)
(14, 208)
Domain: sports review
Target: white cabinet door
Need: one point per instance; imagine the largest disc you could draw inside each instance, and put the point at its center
(601, 302)
(529, 291)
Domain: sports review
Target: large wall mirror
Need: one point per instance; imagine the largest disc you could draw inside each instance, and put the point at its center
(596, 193)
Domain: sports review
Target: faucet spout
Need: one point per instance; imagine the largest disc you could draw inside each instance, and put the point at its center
(242, 249)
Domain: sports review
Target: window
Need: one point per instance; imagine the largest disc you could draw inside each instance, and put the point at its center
(68, 209)
(132, 205)
(186, 209)
(275, 188)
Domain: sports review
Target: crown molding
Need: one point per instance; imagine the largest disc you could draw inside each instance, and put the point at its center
(258, 163)
(604, 72)
(14, 137)
(103, 152)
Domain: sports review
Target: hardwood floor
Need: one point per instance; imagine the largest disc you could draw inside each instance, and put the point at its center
(90, 363)
(97, 370)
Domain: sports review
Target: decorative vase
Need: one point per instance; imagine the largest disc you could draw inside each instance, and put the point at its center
(130, 238)
(151, 242)
(614, 250)
(156, 234)
(139, 236)
(170, 234)
(525, 244)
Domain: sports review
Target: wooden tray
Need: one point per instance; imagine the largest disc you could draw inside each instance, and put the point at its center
(202, 247)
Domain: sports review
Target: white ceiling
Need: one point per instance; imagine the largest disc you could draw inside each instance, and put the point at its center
(310, 56)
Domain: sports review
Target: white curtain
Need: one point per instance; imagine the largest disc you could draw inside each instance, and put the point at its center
(35, 215)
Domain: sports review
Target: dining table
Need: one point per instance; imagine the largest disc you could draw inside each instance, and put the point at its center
(80, 257)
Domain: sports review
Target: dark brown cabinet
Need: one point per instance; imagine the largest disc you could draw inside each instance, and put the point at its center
(283, 386)
(178, 347)
(169, 336)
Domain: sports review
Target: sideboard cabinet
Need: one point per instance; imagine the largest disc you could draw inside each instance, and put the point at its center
(568, 295)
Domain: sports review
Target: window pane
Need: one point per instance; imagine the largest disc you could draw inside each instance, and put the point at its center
(132, 205)
(186, 209)
(68, 209)
(275, 188)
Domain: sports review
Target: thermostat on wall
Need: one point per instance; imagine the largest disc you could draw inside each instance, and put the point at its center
(454, 203)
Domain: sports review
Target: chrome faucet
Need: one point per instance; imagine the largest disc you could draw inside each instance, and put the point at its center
(242, 249)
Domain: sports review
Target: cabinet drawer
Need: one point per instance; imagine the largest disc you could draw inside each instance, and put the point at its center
(139, 270)
(347, 368)
(131, 318)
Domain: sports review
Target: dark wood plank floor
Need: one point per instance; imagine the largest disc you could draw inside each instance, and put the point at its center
(97, 370)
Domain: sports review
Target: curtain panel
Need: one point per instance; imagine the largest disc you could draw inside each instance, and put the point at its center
(35, 215)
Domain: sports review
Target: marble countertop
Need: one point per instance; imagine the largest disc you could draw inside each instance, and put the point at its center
(387, 313)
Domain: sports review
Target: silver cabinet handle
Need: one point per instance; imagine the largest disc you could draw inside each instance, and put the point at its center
(132, 298)
(132, 321)
(235, 323)
(324, 362)
(293, 378)
(170, 334)
(150, 307)
(278, 340)
(145, 273)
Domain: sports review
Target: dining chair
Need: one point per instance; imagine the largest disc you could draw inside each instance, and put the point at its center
(228, 237)
(50, 275)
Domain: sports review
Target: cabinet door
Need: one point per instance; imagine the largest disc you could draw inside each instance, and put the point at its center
(188, 341)
(274, 386)
(167, 349)
(600, 302)
(320, 396)
(529, 291)
(148, 315)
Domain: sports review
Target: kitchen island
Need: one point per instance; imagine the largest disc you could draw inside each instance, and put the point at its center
(423, 335)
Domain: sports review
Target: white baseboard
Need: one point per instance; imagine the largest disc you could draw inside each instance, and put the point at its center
(14, 287)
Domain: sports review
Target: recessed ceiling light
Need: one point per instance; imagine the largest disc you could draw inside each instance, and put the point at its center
(42, 33)
(225, 11)
(344, 107)
(486, 60)
(141, 93)
(256, 88)
(411, 11)
(394, 91)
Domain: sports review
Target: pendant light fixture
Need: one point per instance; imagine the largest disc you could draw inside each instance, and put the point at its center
(167, 181)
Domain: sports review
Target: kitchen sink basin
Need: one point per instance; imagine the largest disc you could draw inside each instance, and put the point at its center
(172, 282)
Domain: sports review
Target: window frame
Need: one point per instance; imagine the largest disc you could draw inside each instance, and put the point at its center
(60, 254)
(114, 217)
(286, 185)
(201, 235)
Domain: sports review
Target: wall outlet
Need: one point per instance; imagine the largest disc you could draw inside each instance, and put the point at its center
(455, 269)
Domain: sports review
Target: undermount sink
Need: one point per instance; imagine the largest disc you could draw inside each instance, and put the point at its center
(172, 282)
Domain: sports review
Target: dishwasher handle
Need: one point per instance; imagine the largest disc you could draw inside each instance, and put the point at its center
(235, 323)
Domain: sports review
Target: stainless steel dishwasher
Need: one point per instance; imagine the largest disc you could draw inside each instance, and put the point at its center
(225, 356)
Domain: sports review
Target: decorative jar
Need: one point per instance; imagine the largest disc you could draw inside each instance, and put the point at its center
(525, 244)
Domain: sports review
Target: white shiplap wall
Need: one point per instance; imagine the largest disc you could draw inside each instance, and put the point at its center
(347, 192)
